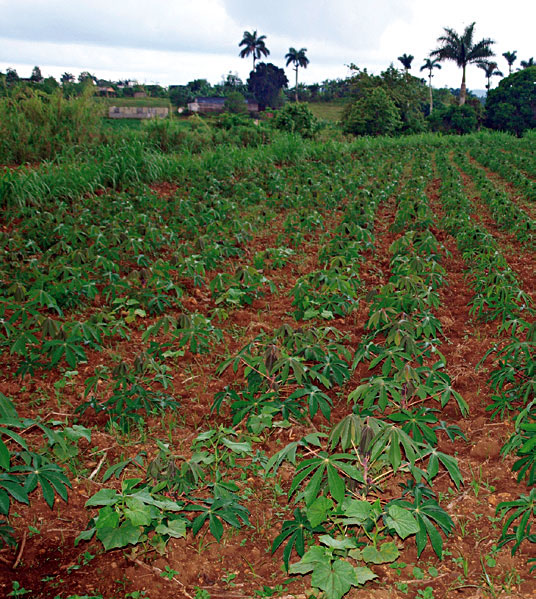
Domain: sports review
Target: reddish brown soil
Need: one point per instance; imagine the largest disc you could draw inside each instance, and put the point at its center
(520, 260)
(48, 563)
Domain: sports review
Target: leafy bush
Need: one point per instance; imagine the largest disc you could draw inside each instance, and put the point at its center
(512, 105)
(372, 114)
(296, 118)
(235, 103)
(455, 119)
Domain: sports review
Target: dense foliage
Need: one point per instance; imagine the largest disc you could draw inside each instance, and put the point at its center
(266, 83)
(455, 119)
(296, 118)
(37, 126)
(101, 289)
(511, 106)
(387, 104)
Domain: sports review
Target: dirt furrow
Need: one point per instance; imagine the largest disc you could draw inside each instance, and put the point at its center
(520, 260)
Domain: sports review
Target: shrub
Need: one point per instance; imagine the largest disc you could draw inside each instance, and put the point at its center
(455, 119)
(296, 118)
(372, 114)
(512, 105)
(235, 103)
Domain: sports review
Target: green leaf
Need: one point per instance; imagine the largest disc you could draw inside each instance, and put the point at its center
(103, 497)
(389, 552)
(139, 513)
(313, 487)
(244, 447)
(7, 409)
(124, 535)
(310, 560)
(48, 491)
(371, 555)
(174, 528)
(402, 521)
(216, 527)
(364, 574)
(85, 535)
(318, 510)
(355, 511)
(4, 502)
(198, 522)
(16, 491)
(335, 579)
(449, 462)
(336, 484)
(329, 541)
(107, 518)
(5, 456)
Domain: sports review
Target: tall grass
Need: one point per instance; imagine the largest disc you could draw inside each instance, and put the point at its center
(35, 126)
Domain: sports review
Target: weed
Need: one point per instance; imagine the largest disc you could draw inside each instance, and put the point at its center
(427, 593)
(168, 573)
(17, 590)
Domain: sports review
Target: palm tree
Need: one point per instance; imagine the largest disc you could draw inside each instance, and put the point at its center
(253, 45)
(431, 64)
(463, 51)
(511, 57)
(490, 69)
(67, 78)
(298, 59)
(406, 60)
(525, 64)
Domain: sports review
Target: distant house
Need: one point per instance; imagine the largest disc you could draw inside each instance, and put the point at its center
(105, 91)
(208, 105)
(140, 94)
(138, 112)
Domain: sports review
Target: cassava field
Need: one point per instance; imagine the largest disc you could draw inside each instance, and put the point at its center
(299, 370)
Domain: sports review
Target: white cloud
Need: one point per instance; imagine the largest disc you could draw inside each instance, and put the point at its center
(175, 41)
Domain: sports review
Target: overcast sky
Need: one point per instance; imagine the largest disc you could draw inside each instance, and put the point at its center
(176, 41)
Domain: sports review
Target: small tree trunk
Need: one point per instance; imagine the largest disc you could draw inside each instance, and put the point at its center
(296, 83)
(431, 96)
(463, 88)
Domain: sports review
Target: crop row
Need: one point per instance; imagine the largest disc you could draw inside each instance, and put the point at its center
(498, 296)
(506, 212)
(83, 273)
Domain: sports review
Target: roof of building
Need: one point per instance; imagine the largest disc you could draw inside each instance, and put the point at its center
(217, 100)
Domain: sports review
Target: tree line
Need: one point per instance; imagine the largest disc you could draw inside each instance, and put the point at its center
(393, 102)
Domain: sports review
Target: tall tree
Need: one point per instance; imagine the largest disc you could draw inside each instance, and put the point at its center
(67, 78)
(86, 77)
(511, 57)
(430, 64)
(525, 64)
(11, 76)
(36, 75)
(491, 70)
(510, 106)
(298, 59)
(253, 45)
(406, 60)
(266, 83)
(463, 51)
